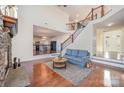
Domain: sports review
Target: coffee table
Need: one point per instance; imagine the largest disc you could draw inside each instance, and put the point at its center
(59, 62)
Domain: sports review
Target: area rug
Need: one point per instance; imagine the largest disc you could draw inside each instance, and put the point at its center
(17, 78)
(73, 73)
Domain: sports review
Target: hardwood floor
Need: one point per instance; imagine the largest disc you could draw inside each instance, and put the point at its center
(42, 76)
(104, 76)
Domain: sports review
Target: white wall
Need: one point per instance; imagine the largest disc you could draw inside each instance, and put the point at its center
(22, 43)
(84, 40)
(99, 40)
(123, 41)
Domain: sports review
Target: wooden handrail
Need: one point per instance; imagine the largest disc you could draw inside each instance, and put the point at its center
(80, 20)
(83, 19)
(98, 7)
(71, 23)
(90, 16)
(93, 9)
(67, 39)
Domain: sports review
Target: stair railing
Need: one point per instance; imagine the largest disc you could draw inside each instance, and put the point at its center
(93, 14)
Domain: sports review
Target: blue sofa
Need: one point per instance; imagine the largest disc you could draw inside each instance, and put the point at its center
(78, 57)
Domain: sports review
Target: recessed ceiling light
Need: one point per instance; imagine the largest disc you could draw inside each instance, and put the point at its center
(44, 37)
(110, 24)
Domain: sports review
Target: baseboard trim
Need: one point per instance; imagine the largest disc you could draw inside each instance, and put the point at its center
(106, 59)
(108, 63)
(41, 57)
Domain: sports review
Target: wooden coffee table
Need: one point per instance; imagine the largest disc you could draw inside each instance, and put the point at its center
(59, 62)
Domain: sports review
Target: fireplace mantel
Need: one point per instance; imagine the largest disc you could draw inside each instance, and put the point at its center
(9, 19)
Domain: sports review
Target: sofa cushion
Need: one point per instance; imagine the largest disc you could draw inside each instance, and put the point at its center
(68, 56)
(74, 52)
(82, 53)
(80, 64)
(68, 51)
(74, 58)
(77, 59)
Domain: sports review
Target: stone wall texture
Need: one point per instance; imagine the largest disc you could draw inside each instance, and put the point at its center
(5, 53)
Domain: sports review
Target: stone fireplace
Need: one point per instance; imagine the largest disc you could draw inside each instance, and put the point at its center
(5, 53)
(8, 29)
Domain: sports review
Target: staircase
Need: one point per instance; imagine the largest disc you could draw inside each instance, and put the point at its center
(81, 35)
(95, 13)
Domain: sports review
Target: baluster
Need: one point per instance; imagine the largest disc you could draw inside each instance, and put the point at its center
(92, 13)
(72, 38)
(96, 15)
(61, 46)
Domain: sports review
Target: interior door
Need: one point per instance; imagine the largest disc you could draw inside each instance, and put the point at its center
(53, 46)
(112, 43)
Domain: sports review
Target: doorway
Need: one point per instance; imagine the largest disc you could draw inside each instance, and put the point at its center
(112, 41)
(46, 41)
(53, 46)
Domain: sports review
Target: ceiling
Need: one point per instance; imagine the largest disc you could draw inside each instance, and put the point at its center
(45, 32)
(77, 12)
(117, 20)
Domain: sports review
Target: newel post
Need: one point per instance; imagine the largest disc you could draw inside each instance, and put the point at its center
(92, 13)
(102, 10)
(61, 46)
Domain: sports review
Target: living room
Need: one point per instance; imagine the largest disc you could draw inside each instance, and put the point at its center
(71, 65)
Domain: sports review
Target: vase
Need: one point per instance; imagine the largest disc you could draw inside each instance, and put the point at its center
(19, 64)
(15, 63)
